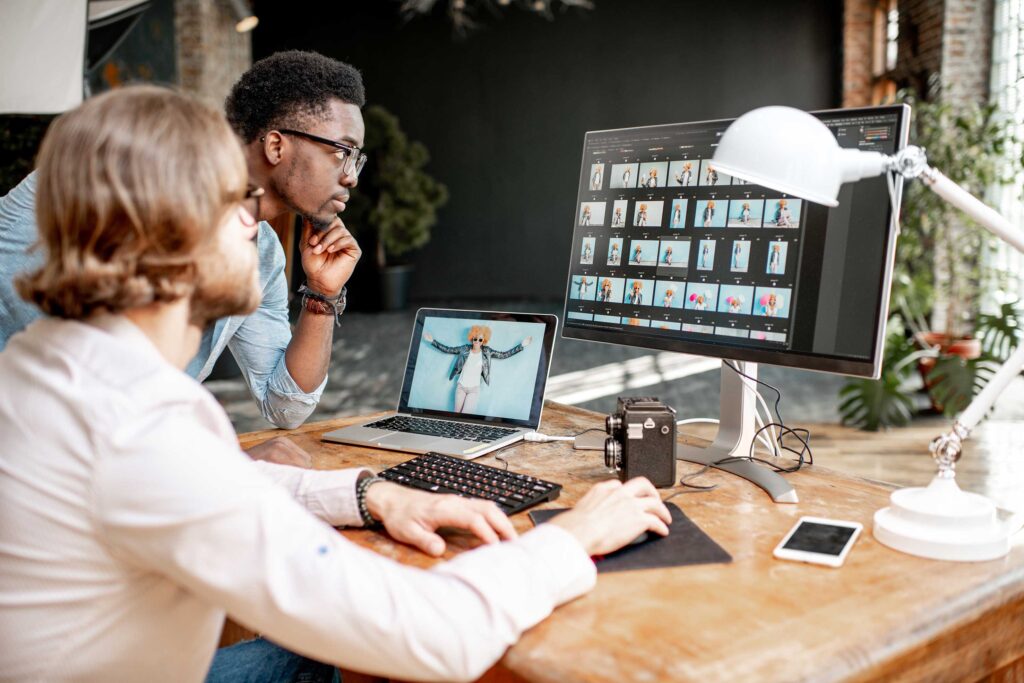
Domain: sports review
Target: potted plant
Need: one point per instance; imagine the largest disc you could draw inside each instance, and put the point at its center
(395, 206)
(941, 261)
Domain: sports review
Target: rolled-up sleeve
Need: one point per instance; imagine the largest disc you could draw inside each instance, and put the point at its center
(18, 233)
(260, 342)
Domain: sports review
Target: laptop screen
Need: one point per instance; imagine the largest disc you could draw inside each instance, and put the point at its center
(478, 365)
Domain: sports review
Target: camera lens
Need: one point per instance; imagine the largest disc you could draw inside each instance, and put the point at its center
(613, 423)
(612, 454)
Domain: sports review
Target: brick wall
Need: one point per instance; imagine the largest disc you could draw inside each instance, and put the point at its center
(967, 50)
(858, 16)
(211, 54)
(947, 42)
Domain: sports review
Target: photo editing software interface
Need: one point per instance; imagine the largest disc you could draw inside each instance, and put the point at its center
(670, 253)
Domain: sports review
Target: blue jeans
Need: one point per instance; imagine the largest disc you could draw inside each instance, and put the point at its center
(260, 661)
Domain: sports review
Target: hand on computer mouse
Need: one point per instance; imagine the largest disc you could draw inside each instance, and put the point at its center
(642, 538)
(611, 515)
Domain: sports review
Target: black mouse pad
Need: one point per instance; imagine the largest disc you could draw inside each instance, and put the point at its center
(685, 544)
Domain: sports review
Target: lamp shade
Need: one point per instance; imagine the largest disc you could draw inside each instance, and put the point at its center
(791, 151)
(42, 55)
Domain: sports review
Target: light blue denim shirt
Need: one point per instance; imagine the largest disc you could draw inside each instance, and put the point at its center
(257, 341)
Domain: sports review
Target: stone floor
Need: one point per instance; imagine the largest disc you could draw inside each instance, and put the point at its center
(370, 351)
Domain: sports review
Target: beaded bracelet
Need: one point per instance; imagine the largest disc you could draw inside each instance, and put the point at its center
(364, 512)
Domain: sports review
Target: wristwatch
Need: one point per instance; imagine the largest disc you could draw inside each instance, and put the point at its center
(320, 304)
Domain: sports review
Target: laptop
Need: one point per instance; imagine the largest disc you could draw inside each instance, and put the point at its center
(474, 382)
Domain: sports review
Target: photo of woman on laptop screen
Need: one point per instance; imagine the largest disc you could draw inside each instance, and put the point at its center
(480, 387)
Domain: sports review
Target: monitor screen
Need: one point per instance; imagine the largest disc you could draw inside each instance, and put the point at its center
(482, 365)
(669, 253)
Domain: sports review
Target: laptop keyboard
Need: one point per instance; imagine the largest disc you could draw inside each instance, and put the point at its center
(442, 428)
(444, 474)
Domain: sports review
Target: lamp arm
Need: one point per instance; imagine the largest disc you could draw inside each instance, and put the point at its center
(946, 449)
(974, 208)
(912, 162)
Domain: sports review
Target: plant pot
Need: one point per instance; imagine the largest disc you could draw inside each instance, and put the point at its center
(395, 282)
(967, 348)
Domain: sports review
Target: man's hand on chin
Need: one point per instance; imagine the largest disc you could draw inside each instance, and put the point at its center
(328, 257)
(281, 451)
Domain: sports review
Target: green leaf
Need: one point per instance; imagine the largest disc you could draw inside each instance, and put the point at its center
(955, 381)
(1000, 333)
(870, 404)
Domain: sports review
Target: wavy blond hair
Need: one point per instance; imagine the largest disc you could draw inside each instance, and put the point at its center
(132, 185)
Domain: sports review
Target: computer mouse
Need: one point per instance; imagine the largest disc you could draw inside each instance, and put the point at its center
(645, 536)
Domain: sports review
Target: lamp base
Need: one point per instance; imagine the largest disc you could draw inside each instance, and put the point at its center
(942, 522)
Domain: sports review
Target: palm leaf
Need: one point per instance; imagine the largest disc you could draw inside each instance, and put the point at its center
(955, 381)
(1000, 333)
(870, 404)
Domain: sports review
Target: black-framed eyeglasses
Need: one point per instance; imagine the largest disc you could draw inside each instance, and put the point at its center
(251, 204)
(351, 158)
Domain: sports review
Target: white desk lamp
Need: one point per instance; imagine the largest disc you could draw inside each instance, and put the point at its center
(793, 152)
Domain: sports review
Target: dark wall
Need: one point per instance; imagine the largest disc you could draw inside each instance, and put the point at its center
(503, 111)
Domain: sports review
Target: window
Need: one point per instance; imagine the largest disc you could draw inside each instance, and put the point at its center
(1008, 93)
(885, 48)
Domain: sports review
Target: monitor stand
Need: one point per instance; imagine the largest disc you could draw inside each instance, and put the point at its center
(736, 428)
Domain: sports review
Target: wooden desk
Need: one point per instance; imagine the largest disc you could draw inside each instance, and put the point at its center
(884, 615)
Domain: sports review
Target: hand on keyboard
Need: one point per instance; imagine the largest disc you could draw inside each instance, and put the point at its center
(413, 516)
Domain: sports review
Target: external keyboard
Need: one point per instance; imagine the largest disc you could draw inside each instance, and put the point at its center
(466, 431)
(444, 474)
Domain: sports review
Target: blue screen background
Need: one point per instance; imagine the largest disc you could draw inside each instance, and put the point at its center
(510, 392)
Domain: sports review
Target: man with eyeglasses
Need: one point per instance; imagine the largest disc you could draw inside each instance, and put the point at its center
(298, 117)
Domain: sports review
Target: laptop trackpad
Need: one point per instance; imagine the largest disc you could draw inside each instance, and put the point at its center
(411, 442)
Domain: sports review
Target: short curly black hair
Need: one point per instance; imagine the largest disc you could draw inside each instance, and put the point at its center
(288, 85)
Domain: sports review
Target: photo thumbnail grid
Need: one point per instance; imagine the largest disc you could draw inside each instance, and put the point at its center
(758, 310)
(643, 241)
(742, 212)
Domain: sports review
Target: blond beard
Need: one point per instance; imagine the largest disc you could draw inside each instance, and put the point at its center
(223, 288)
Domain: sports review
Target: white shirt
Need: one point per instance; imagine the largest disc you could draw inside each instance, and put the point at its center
(131, 523)
(473, 368)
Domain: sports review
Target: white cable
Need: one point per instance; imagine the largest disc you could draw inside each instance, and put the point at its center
(773, 445)
(762, 437)
(707, 420)
(773, 437)
(695, 420)
(537, 437)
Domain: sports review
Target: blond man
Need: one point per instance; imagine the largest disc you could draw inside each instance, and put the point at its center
(132, 521)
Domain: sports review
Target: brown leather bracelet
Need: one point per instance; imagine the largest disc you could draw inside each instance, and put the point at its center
(317, 306)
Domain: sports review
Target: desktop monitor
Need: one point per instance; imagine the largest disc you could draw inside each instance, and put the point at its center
(669, 253)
